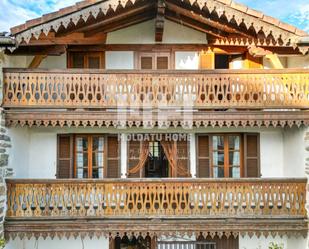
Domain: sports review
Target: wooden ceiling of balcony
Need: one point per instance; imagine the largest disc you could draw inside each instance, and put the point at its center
(225, 23)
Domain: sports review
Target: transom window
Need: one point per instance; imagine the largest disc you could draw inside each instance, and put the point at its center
(226, 156)
(89, 156)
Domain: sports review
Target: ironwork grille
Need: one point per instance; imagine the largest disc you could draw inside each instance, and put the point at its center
(186, 245)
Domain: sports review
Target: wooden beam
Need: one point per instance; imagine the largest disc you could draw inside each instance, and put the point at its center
(159, 22)
(191, 23)
(252, 62)
(171, 5)
(70, 39)
(136, 19)
(119, 17)
(261, 52)
(36, 61)
(275, 61)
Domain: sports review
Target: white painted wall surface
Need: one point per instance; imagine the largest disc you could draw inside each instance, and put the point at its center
(263, 243)
(56, 243)
(271, 149)
(144, 33)
(177, 33)
(186, 60)
(119, 60)
(55, 62)
(294, 142)
(34, 151)
(298, 61)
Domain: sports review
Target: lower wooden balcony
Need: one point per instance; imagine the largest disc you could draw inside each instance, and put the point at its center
(156, 206)
(166, 198)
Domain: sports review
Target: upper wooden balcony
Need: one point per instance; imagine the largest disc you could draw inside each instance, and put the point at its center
(217, 89)
(157, 198)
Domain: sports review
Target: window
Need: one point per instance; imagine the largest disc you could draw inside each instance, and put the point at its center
(89, 154)
(228, 155)
(226, 151)
(154, 61)
(91, 60)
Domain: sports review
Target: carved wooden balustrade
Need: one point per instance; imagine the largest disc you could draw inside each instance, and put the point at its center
(165, 198)
(217, 89)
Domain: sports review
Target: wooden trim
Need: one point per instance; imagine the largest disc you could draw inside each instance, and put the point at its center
(158, 72)
(36, 61)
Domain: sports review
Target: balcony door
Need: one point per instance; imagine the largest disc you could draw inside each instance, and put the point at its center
(158, 159)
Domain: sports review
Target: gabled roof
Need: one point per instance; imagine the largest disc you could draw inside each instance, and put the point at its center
(224, 19)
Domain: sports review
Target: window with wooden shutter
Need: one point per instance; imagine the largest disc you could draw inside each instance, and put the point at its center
(113, 162)
(183, 158)
(252, 155)
(91, 60)
(134, 151)
(154, 61)
(65, 157)
(203, 160)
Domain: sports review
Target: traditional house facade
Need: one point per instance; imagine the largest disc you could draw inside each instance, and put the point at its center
(170, 124)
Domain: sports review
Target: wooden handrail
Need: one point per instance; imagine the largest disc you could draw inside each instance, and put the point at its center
(158, 72)
(161, 198)
(223, 89)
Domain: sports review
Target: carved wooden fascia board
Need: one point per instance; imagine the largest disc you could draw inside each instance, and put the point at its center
(240, 14)
(171, 119)
(69, 229)
(73, 18)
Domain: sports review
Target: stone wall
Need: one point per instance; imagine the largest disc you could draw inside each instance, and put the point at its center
(307, 173)
(5, 145)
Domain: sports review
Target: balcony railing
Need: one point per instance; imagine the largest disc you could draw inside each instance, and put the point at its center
(217, 89)
(153, 198)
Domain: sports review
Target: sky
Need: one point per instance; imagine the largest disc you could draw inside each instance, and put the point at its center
(15, 12)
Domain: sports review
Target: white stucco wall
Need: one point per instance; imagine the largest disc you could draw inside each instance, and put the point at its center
(298, 62)
(78, 243)
(144, 33)
(34, 151)
(186, 60)
(119, 60)
(55, 62)
(263, 243)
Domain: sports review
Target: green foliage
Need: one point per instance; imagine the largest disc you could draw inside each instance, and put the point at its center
(275, 246)
(2, 243)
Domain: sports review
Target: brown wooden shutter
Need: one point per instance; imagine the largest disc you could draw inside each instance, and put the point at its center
(134, 157)
(162, 62)
(146, 62)
(112, 169)
(65, 157)
(207, 60)
(183, 157)
(252, 155)
(203, 157)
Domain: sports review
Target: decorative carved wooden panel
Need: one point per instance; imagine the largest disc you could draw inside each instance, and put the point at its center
(245, 198)
(200, 90)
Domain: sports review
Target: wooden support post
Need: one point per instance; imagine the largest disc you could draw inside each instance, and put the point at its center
(207, 60)
(252, 62)
(36, 61)
(275, 61)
